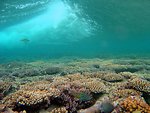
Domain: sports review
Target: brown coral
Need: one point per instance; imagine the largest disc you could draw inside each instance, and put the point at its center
(59, 110)
(140, 85)
(77, 76)
(2, 107)
(31, 95)
(4, 87)
(107, 76)
(112, 77)
(96, 86)
(135, 103)
(124, 93)
(128, 75)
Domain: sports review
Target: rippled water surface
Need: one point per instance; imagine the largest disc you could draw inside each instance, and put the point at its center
(59, 28)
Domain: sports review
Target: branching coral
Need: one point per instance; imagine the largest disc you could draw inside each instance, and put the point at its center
(31, 96)
(96, 86)
(74, 97)
(4, 86)
(134, 103)
(59, 110)
(124, 93)
(128, 75)
(75, 92)
(139, 84)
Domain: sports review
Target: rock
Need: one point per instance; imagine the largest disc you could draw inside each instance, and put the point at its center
(106, 107)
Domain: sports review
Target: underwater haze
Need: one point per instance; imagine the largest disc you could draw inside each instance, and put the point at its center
(34, 29)
(74, 56)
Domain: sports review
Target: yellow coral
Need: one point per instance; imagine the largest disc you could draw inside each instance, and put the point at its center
(135, 103)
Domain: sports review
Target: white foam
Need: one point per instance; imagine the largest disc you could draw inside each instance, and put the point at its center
(59, 23)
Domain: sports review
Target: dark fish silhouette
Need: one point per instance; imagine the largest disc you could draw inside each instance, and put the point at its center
(25, 40)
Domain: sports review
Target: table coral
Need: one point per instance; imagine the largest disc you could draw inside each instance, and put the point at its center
(124, 93)
(107, 76)
(31, 95)
(96, 86)
(140, 85)
(112, 77)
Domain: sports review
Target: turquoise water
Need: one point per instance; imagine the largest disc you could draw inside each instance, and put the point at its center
(34, 29)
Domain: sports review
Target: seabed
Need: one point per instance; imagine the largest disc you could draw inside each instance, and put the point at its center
(76, 85)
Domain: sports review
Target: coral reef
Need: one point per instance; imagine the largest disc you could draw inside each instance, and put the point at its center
(112, 77)
(59, 110)
(52, 70)
(124, 93)
(4, 88)
(128, 75)
(107, 76)
(31, 95)
(139, 84)
(134, 103)
(2, 107)
(81, 87)
(96, 86)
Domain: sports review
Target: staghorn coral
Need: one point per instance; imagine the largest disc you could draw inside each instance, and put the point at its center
(134, 103)
(139, 84)
(59, 110)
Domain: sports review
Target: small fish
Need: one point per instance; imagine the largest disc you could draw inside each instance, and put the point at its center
(25, 40)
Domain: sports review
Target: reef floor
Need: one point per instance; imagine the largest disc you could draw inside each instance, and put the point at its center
(76, 85)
